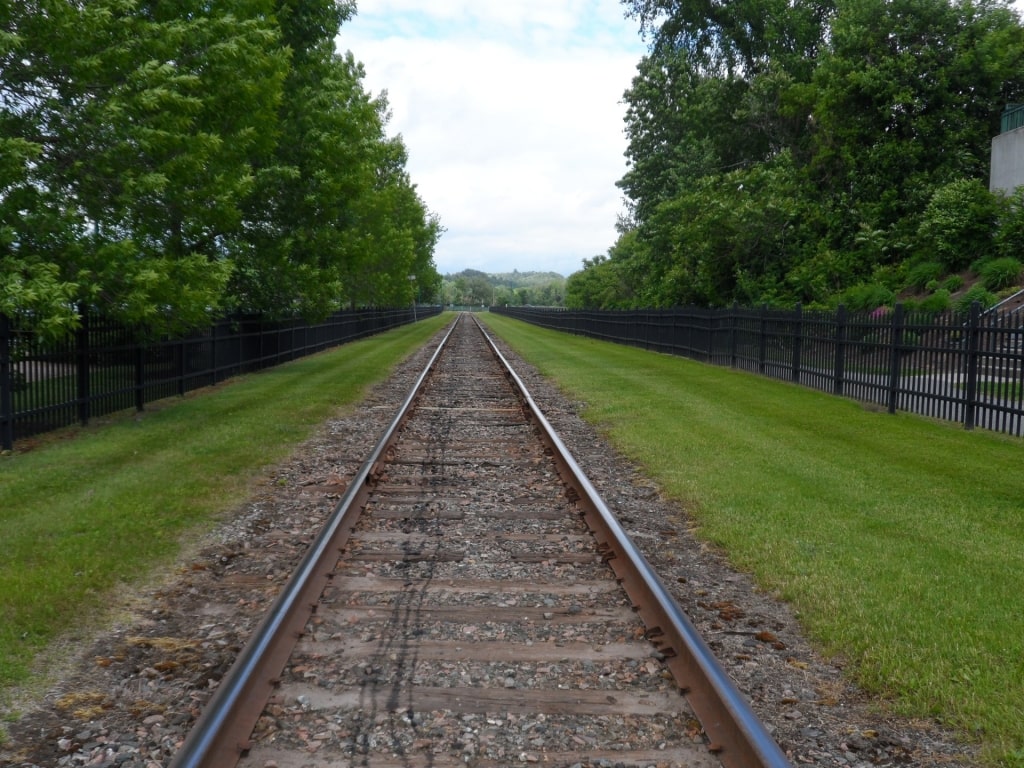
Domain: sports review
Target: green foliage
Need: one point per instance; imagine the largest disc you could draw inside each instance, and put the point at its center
(952, 283)
(921, 275)
(939, 301)
(601, 284)
(472, 287)
(164, 162)
(740, 36)
(815, 280)
(784, 152)
(979, 294)
(1010, 235)
(1000, 273)
(958, 224)
(679, 128)
(32, 293)
(865, 297)
(727, 238)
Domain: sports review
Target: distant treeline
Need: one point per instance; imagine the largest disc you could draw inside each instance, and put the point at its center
(469, 287)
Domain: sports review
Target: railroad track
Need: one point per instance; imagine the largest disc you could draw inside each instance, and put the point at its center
(473, 602)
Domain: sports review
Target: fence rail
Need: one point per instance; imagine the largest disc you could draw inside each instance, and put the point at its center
(962, 367)
(104, 367)
(1012, 118)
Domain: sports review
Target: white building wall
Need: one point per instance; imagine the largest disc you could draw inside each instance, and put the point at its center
(1007, 161)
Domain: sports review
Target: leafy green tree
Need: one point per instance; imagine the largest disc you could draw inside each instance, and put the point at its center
(908, 98)
(32, 233)
(300, 222)
(334, 219)
(1009, 238)
(146, 118)
(163, 161)
(679, 128)
(398, 234)
(606, 282)
(737, 37)
(783, 151)
(730, 237)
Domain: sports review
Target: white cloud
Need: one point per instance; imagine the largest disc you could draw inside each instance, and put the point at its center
(511, 113)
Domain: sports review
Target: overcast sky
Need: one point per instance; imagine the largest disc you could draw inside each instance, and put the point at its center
(512, 115)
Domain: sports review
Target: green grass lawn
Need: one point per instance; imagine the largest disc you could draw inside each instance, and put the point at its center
(86, 516)
(899, 541)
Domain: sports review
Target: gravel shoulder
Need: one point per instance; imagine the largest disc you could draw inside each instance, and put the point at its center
(127, 693)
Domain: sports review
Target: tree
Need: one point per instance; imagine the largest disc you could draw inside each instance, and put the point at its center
(782, 151)
(604, 282)
(145, 124)
(163, 161)
(679, 128)
(907, 100)
(31, 288)
(335, 218)
(740, 37)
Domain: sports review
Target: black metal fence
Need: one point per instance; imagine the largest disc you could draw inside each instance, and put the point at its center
(967, 367)
(104, 367)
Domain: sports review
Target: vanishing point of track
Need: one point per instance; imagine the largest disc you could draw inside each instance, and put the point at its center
(472, 574)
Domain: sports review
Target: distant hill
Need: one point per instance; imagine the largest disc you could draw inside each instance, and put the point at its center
(513, 279)
(470, 286)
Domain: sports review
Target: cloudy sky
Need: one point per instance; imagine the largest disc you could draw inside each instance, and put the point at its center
(512, 115)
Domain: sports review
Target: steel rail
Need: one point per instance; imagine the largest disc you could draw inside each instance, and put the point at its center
(222, 732)
(735, 734)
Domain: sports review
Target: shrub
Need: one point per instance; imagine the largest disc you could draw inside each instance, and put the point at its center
(1000, 273)
(976, 294)
(920, 275)
(959, 223)
(865, 297)
(1006, 293)
(952, 283)
(937, 302)
(1010, 235)
(979, 264)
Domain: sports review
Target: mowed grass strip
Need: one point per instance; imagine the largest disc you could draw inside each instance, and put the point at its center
(86, 516)
(899, 541)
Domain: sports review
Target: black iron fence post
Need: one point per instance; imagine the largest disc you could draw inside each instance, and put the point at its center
(179, 350)
(140, 377)
(214, 353)
(798, 339)
(762, 352)
(839, 366)
(82, 367)
(895, 357)
(734, 321)
(971, 391)
(707, 321)
(6, 386)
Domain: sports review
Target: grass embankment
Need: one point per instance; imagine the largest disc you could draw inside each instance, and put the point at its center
(82, 518)
(899, 541)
